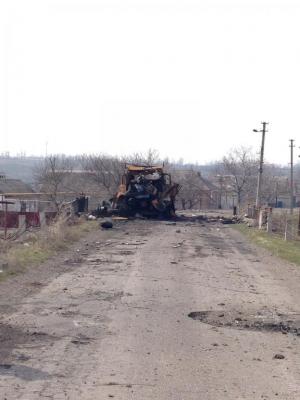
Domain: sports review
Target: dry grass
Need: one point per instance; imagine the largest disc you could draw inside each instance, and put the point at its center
(38, 247)
(287, 250)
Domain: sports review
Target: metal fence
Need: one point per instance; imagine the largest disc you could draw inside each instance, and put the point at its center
(14, 224)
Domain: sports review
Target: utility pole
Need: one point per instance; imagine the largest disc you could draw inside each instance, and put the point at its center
(292, 177)
(261, 162)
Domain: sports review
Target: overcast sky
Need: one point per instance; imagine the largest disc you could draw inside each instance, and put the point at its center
(188, 78)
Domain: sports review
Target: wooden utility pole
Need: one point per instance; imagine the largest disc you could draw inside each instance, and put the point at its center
(292, 177)
(261, 162)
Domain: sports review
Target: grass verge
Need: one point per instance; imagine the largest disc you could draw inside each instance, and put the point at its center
(287, 250)
(39, 247)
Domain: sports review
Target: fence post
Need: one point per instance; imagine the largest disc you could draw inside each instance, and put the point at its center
(287, 229)
(269, 221)
(260, 219)
(22, 223)
(43, 223)
(5, 221)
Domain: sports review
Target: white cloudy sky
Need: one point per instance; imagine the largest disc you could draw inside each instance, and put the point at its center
(189, 78)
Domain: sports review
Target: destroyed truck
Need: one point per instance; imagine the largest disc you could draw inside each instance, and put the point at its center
(146, 191)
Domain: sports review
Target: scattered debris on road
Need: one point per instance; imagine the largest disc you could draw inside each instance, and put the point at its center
(279, 357)
(106, 224)
(118, 295)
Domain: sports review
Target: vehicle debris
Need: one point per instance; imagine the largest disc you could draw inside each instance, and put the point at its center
(145, 192)
(226, 221)
(116, 218)
(279, 357)
(106, 224)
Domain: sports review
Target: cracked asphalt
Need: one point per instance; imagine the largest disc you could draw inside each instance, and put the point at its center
(111, 318)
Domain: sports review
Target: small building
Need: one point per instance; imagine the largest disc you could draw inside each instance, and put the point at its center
(209, 194)
(16, 191)
(197, 192)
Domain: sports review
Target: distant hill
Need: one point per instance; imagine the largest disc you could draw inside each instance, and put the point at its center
(23, 167)
(19, 167)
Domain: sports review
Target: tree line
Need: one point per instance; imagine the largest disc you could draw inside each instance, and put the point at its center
(234, 175)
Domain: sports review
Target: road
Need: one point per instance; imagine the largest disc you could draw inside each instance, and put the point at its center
(151, 310)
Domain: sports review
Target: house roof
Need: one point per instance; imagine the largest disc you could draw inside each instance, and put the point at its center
(206, 184)
(8, 185)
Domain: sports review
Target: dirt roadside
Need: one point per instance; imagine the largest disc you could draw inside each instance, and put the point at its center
(150, 310)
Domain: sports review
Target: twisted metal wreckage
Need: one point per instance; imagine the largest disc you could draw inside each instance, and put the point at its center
(145, 191)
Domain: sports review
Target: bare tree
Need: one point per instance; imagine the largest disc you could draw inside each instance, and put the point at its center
(241, 166)
(151, 157)
(106, 171)
(51, 174)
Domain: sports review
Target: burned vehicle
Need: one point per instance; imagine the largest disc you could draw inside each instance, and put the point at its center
(146, 191)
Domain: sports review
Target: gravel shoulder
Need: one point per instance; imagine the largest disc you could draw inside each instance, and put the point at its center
(151, 310)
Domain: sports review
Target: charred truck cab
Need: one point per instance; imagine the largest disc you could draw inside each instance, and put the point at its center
(146, 191)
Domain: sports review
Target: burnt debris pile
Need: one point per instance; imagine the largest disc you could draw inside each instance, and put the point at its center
(145, 191)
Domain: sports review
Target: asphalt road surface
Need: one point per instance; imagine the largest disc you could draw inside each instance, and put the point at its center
(150, 310)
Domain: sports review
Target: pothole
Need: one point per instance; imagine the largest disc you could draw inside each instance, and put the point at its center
(12, 337)
(107, 296)
(125, 252)
(103, 260)
(264, 321)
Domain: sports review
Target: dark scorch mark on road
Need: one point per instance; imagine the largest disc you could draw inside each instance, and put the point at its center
(260, 321)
